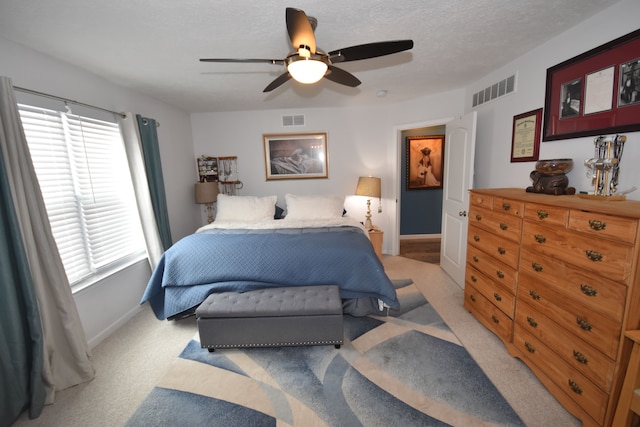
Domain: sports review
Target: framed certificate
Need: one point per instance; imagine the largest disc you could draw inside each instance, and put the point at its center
(525, 140)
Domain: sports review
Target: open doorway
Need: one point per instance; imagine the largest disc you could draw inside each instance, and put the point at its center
(458, 180)
(420, 213)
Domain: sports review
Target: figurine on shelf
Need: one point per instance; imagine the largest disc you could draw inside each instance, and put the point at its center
(550, 177)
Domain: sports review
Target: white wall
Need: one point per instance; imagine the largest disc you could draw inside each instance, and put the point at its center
(361, 142)
(495, 119)
(109, 303)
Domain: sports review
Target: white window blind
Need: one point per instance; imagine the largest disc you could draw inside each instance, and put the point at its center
(86, 186)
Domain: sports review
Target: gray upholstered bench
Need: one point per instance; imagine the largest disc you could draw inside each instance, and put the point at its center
(291, 316)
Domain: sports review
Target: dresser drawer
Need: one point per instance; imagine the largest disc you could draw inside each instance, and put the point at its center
(574, 351)
(601, 225)
(483, 200)
(573, 383)
(508, 206)
(502, 225)
(547, 214)
(499, 296)
(596, 329)
(594, 292)
(488, 314)
(607, 258)
(506, 251)
(492, 268)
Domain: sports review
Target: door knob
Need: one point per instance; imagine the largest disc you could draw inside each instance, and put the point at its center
(462, 213)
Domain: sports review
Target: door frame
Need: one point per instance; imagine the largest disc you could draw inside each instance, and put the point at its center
(395, 244)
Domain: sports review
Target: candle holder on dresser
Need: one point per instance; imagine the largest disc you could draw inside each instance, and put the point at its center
(604, 168)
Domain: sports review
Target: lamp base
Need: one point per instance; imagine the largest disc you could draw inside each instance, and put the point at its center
(210, 212)
(368, 225)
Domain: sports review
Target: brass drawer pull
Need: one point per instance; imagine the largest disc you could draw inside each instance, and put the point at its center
(534, 295)
(530, 348)
(540, 238)
(495, 319)
(594, 256)
(474, 279)
(542, 214)
(475, 259)
(574, 387)
(597, 225)
(580, 357)
(472, 298)
(476, 237)
(501, 251)
(584, 324)
(503, 226)
(497, 296)
(588, 290)
(500, 274)
(537, 267)
(531, 321)
(478, 217)
(506, 206)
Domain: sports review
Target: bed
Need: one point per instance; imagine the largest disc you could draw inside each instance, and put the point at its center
(247, 249)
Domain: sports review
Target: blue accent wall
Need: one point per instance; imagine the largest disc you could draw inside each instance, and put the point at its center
(420, 210)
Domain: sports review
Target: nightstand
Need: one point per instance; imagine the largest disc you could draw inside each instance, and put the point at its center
(376, 240)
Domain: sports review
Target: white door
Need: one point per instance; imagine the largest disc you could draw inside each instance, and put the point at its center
(459, 155)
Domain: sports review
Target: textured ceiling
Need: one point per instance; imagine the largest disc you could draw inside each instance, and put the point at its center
(154, 46)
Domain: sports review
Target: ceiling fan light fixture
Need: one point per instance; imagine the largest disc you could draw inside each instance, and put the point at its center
(306, 70)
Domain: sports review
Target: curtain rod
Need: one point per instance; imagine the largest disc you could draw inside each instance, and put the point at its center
(59, 98)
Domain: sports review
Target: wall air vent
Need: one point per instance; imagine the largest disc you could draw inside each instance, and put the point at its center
(297, 120)
(496, 90)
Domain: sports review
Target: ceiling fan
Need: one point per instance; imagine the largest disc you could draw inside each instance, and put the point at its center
(307, 64)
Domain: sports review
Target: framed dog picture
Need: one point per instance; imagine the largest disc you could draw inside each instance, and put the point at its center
(425, 162)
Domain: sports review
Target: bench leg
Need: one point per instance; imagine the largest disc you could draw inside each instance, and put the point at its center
(337, 346)
(211, 349)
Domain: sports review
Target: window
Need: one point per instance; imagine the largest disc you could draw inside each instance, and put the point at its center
(86, 186)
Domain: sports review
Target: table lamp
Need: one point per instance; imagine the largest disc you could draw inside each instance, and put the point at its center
(370, 187)
(206, 193)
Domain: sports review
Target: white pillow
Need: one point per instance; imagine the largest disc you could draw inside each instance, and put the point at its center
(245, 208)
(313, 207)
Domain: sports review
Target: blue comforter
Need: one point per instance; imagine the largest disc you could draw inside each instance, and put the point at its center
(244, 260)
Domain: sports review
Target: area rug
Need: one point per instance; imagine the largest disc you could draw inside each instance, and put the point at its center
(403, 369)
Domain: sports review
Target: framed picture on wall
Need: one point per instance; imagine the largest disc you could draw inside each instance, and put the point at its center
(425, 162)
(595, 93)
(296, 156)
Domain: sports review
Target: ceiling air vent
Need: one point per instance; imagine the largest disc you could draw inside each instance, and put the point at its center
(297, 120)
(496, 90)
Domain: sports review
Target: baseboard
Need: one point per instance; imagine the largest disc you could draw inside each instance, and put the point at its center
(114, 326)
(419, 236)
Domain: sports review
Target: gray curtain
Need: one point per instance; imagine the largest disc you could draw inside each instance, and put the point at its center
(153, 168)
(133, 148)
(21, 342)
(66, 357)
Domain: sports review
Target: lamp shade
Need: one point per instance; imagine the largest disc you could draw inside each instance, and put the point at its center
(307, 71)
(368, 186)
(206, 192)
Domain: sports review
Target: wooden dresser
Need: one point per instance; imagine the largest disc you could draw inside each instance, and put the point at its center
(557, 278)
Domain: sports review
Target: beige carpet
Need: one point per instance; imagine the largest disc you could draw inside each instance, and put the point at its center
(130, 362)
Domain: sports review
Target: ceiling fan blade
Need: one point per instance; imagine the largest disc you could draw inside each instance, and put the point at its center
(342, 77)
(247, 60)
(369, 50)
(279, 81)
(300, 29)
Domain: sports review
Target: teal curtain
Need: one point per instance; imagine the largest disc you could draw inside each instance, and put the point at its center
(21, 340)
(153, 168)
